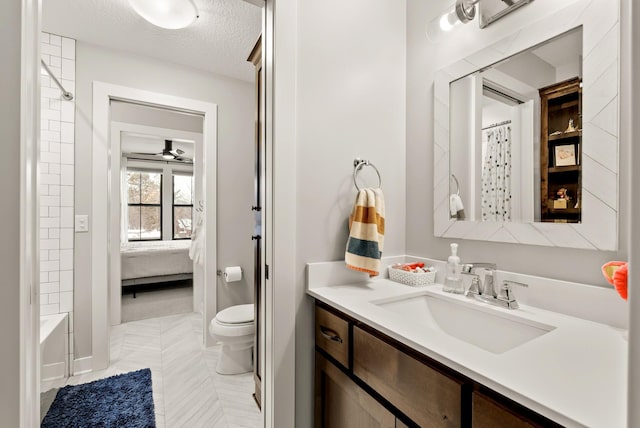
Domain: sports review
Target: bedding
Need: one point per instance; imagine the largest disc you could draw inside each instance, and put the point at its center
(144, 259)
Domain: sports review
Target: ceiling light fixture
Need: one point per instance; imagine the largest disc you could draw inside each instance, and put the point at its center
(169, 14)
(461, 12)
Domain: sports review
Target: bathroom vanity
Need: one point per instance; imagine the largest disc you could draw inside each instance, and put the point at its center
(355, 363)
(391, 355)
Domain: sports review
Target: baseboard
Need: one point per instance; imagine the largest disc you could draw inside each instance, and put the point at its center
(53, 371)
(82, 365)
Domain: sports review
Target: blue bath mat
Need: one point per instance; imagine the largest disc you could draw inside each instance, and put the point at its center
(124, 400)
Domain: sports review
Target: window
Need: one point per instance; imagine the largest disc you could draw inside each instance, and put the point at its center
(182, 206)
(144, 189)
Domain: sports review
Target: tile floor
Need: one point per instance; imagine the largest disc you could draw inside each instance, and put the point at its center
(187, 391)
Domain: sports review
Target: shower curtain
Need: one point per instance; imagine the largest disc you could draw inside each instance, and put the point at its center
(496, 175)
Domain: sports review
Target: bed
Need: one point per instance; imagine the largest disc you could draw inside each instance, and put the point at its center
(146, 262)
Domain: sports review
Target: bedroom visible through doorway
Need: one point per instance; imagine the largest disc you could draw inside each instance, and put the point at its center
(157, 183)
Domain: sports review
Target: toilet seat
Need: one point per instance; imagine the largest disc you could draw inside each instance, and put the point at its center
(235, 321)
(236, 315)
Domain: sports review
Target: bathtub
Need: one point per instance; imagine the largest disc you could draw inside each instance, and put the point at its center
(54, 347)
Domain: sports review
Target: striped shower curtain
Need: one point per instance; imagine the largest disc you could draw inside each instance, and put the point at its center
(496, 175)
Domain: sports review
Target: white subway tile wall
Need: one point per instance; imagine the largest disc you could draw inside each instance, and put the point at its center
(57, 180)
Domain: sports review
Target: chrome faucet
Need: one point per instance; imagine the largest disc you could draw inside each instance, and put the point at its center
(484, 288)
(506, 298)
(481, 286)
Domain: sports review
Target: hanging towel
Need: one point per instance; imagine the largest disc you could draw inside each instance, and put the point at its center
(366, 232)
(456, 209)
(196, 252)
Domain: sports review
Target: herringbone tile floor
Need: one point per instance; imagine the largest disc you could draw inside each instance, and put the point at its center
(187, 391)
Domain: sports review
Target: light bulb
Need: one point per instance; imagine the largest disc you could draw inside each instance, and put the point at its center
(461, 11)
(449, 20)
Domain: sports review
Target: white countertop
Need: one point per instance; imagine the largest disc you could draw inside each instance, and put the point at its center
(575, 374)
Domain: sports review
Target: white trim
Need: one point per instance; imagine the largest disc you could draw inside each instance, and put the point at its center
(30, 213)
(281, 288)
(630, 108)
(115, 300)
(54, 371)
(100, 248)
(82, 365)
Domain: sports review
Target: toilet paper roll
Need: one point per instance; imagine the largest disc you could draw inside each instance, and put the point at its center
(233, 274)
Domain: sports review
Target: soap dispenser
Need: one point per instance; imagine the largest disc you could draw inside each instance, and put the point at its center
(453, 281)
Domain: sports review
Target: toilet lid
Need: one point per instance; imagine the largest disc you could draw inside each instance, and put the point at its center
(239, 314)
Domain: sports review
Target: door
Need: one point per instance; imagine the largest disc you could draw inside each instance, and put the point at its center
(258, 233)
(340, 403)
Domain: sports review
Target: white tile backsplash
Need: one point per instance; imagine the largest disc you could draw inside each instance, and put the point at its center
(57, 178)
(66, 196)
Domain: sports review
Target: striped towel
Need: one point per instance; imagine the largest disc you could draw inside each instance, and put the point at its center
(366, 232)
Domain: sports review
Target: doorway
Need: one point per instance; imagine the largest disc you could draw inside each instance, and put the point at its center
(269, 363)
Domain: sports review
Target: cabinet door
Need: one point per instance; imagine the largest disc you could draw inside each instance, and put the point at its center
(425, 395)
(340, 403)
(488, 413)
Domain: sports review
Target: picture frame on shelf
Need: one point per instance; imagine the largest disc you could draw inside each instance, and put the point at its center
(565, 155)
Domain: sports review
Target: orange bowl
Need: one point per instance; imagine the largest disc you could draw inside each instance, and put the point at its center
(616, 274)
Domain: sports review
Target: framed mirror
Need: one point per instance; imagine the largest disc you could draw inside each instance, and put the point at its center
(526, 135)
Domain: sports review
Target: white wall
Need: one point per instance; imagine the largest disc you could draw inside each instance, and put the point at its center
(423, 59)
(10, 81)
(350, 102)
(235, 100)
(57, 117)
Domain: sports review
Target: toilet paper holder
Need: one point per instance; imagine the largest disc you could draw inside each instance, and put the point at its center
(235, 273)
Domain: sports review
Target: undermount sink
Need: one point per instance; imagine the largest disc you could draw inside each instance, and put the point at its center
(476, 324)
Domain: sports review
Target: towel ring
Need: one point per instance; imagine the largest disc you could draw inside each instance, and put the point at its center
(358, 164)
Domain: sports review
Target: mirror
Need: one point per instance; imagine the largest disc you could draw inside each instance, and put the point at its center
(551, 90)
(510, 123)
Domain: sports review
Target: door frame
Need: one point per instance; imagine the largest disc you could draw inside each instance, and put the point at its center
(28, 401)
(103, 93)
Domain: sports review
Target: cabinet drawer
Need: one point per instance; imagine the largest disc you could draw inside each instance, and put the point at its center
(332, 335)
(428, 397)
(491, 412)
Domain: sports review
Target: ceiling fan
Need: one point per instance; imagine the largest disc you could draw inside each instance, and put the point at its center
(168, 153)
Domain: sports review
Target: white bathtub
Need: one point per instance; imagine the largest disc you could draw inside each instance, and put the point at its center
(54, 347)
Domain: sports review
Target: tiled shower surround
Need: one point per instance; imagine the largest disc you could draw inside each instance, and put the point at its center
(57, 180)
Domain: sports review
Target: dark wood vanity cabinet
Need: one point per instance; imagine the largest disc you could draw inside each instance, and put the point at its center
(364, 378)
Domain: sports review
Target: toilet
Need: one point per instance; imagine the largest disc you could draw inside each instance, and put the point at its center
(234, 328)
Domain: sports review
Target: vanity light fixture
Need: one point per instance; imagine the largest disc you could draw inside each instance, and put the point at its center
(464, 11)
(169, 14)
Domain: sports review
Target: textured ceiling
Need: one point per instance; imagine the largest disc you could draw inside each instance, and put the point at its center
(219, 41)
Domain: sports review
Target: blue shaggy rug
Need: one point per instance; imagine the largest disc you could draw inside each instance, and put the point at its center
(124, 400)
